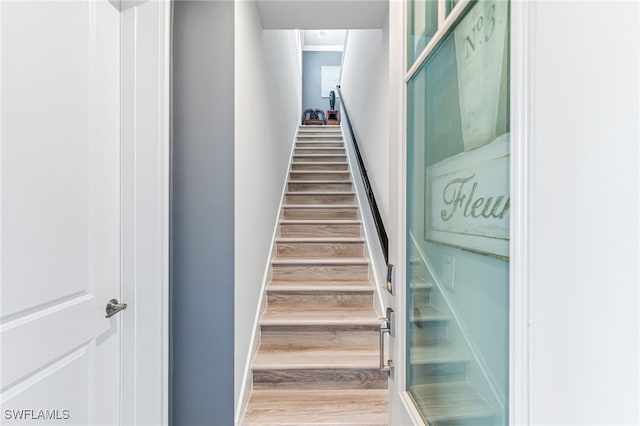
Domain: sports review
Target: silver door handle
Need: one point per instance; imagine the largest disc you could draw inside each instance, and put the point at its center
(388, 326)
(113, 307)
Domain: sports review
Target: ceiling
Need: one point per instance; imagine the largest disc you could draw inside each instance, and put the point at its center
(325, 14)
(331, 40)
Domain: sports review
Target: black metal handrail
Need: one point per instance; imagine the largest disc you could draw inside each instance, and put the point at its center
(382, 233)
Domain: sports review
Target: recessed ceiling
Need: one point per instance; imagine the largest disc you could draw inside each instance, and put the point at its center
(325, 14)
(323, 40)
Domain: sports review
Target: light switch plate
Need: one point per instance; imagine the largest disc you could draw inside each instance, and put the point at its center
(449, 271)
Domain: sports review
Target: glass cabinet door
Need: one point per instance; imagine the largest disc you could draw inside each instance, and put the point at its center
(458, 221)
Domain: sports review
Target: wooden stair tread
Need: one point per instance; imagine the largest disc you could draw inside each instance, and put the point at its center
(326, 316)
(450, 401)
(320, 182)
(420, 285)
(320, 261)
(319, 206)
(329, 172)
(320, 163)
(321, 221)
(317, 407)
(319, 155)
(298, 357)
(437, 353)
(321, 283)
(320, 193)
(319, 288)
(320, 239)
(302, 143)
(428, 313)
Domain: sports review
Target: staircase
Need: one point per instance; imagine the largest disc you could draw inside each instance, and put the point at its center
(317, 362)
(440, 368)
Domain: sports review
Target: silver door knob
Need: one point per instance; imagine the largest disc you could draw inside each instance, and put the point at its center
(113, 307)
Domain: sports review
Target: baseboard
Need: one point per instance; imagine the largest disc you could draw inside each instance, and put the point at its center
(410, 408)
(247, 379)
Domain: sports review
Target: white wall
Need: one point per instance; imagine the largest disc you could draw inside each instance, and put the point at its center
(584, 248)
(267, 100)
(365, 87)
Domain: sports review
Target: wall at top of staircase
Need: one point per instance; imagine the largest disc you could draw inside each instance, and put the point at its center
(312, 63)
(365, 87)
(267, 103)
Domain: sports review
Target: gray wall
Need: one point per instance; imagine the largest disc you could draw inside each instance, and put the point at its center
(202, 296)
(311, 63)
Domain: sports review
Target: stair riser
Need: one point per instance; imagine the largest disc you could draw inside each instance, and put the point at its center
(319, 144)
(319, 176)
(330, 132)
(320, 199)
(319, 138)
(320, 187)
(272, 329)
(360, 339)
(324, 151)
(291, 249)
(320, 230)
(319, 379)
(320, 272)
(422, 296)
(315, 158)
(320, 213)
(320, 166)
(478, 421)
(430, 334)
(440, 372)
(325, 301)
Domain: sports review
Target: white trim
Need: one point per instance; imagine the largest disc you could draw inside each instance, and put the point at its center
(522, 25)
(443, 29)
(401, 406)
(145, 109)
(247, 378)
(412, 411)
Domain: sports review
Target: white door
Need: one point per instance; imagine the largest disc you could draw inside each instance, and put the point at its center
(60, 212)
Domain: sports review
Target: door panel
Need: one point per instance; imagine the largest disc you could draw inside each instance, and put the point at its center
(457, 236)
(60, 210)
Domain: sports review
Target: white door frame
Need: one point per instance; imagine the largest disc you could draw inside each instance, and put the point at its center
(146, 41)
(521, 67)
(522, 23)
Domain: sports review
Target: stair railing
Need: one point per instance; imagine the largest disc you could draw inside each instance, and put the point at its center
(382, 233)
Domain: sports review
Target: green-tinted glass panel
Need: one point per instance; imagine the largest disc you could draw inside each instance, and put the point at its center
(423, 24)
(458, 223)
